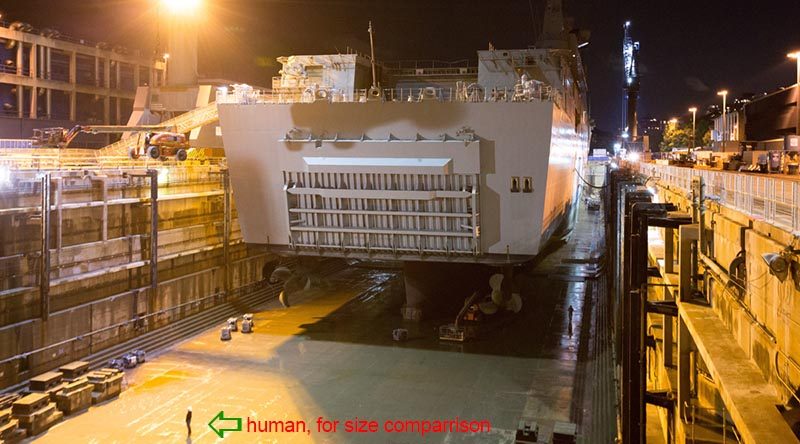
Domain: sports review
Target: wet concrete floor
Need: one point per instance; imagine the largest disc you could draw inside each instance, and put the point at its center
(331, 355)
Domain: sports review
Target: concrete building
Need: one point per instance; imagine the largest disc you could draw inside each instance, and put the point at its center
(49, 80)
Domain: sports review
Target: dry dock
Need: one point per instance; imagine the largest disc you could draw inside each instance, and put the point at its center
(331, 355)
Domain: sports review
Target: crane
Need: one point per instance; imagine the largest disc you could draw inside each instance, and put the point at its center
(160, 141)
(630, 58)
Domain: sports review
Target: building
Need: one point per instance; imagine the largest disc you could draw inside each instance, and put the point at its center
(761, 122)
(47, 80)
(654, 130)
(772, 116)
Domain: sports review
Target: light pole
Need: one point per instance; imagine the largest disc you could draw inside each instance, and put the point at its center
(724, 94)
(166, 65)
(693, 110)
(185, 18)
(796, 55)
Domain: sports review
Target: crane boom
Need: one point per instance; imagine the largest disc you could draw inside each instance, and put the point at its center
(630, 58)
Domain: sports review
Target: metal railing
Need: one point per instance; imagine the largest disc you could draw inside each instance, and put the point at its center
(414, 95)
(57, 35)
(773, 200)
(48, 159)
(714, 422)
(430, 64)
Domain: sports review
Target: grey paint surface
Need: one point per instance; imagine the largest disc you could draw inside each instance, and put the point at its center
(525, 139)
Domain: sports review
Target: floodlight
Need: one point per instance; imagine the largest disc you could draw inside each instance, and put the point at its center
(778, 265)
(182, 6)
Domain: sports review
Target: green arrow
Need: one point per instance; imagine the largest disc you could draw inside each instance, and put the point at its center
(221, 416)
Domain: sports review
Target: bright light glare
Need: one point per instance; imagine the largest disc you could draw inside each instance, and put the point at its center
(5, 176)
(793, 55)
(724, 92)
(693, 109)
(182, 6)
(632, 156)
(163, 175)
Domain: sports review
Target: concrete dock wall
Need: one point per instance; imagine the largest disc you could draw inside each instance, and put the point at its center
(99, 289)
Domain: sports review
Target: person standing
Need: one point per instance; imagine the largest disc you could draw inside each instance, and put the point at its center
(189, 421)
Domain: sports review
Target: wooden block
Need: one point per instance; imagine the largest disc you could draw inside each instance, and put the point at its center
(45, 381)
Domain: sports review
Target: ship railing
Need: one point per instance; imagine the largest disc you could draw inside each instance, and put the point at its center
(429, 64)
(458, 71)
(467, 93)
(773, 200)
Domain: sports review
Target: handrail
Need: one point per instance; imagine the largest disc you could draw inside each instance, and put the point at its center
(773, 200)
(472, 93)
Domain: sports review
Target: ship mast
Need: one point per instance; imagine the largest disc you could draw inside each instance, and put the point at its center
(372, 55)
(374, 92)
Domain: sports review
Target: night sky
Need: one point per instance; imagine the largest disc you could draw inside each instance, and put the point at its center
(689, 49)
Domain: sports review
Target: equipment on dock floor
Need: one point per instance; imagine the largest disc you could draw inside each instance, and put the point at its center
(565, 433)
(45, 383)
(247, 323)
(107, 384)
(10, 431)
(457, 331)
(75, 396)
(527, 432)
(116, 363)
(74, 370)
(225, 333)
(36, 413)
(400, 334)
(233, 323)
(141, 356)
(130, 360)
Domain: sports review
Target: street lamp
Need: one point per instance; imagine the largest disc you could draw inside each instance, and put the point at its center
(693, 110)
(724, 94)
(796, 55)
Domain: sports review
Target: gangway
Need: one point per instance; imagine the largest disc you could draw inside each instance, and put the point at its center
(183, 123)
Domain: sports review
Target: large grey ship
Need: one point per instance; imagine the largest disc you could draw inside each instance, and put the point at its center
(473, 163)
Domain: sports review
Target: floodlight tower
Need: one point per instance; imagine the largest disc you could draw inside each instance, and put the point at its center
(181, 18)
(630, 59)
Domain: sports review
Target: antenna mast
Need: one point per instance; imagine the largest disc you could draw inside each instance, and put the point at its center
(372, 55)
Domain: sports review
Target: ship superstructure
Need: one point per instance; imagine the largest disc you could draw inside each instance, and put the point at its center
(442, 163)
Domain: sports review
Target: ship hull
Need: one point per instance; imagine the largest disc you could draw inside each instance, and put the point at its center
(484, 182)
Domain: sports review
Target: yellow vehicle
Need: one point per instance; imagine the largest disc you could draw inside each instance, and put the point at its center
(161, 145)
(159, 142)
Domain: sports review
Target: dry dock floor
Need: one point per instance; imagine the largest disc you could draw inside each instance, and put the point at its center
(331, 355)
